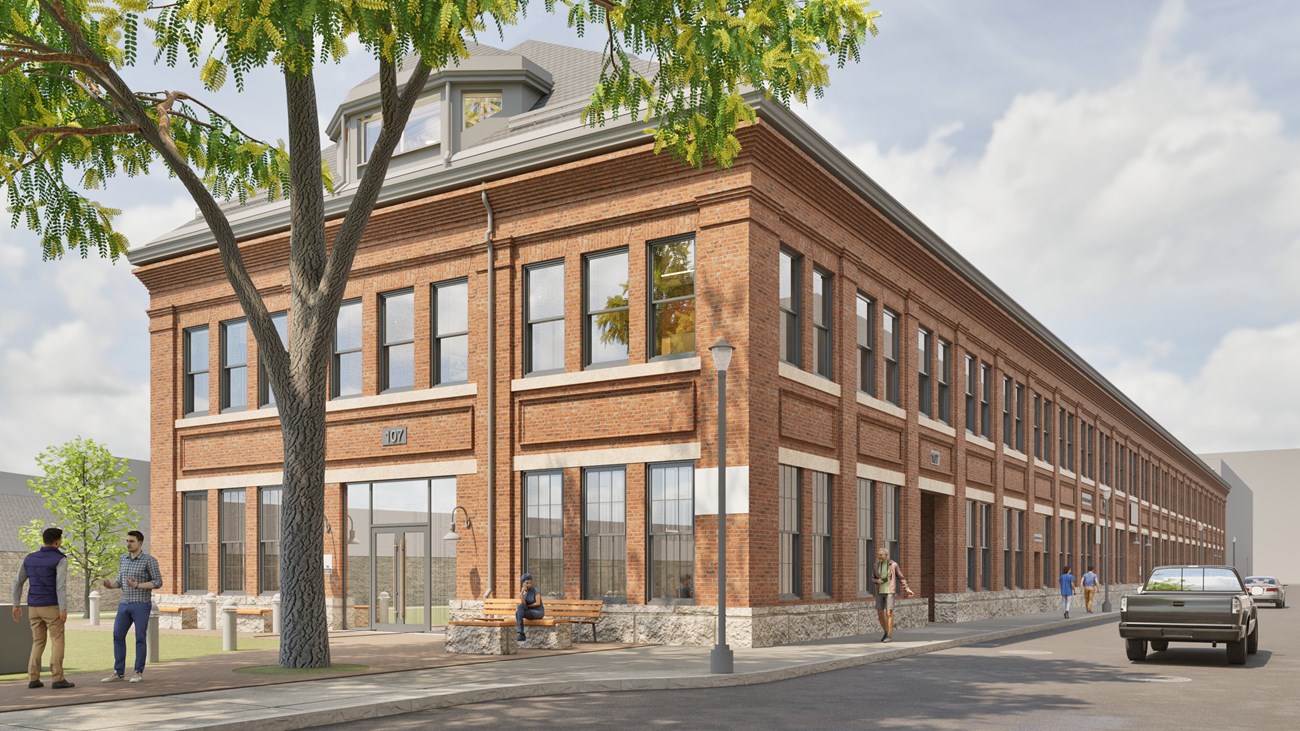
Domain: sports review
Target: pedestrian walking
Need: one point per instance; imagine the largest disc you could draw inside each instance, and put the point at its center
(530, 604)
(137, 576)
(889, 580)
(1089, 589)
(1067, 590)
(46, 572)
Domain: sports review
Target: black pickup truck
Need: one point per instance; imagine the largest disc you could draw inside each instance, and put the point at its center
(1190, 604)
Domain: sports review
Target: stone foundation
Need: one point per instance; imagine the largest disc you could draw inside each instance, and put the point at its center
(481, 639)
(970, 606)
(542, 637)
(187, 618)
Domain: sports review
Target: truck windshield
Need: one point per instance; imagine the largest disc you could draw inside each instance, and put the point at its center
(1193, 579)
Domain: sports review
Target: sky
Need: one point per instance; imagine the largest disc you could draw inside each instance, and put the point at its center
(1126, 171)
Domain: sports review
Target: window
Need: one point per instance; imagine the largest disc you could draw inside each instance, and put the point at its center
(924, 365)
(788, 527)
(822, 582)
(397, 341)
(672, 298)
(1008, 437)
(1038, 426)
(1015, 538)
(1069, 443)
(450, 332)
(972, 416)
(892, 518)
(789, 301)
(1020, 417)
(544, 318)
(1047, 430)
(943, 370)
(231, 527)
(604, 534)
(891, 357)
(866, 345)
(265, 392)
(986, 540)
(1006, 549)
(823, 302)
(268, 539)
(234, 365)
(1092, 457)
(345, 366)
(866, 534)
(672, 533)
(423, 129)
(986, 401)
(606, 330)
(1048, 574)
(544, 530)
(196, 371)
(194, 530)
(479, 106)
(970, 545)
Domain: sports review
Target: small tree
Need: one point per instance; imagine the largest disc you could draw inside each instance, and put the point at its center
(83, 487)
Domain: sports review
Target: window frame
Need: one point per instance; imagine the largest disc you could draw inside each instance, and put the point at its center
(867, 350)
(892, 390)
(386, 346)
(432, 101)
(866, 539)
(530, 323)
(191, 562)
(972, 376)
(191, 373)
(652, 327)
(553, 587)
(943, 372)
(986, 401)
(924, 367)
(823, 324)
(228, 368)
(823, 580)
(654, 579)
(336, 355)
(589, 316)
(590, 585)
(263, 541)
(225, 567)
(439, 337)
(265, 393)
(791, 346)
(789, 532)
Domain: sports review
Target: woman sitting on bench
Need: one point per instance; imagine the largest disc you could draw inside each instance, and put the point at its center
(530, 604)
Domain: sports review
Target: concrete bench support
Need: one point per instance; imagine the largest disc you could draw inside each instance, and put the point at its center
(558, 636)
(481, 639)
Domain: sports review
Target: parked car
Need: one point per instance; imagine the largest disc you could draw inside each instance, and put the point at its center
(1190, 604)
(1267, 589)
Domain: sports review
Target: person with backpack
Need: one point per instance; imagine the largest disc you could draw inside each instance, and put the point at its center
(889, 580)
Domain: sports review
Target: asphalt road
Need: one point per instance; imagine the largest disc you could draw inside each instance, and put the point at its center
(1071, 679)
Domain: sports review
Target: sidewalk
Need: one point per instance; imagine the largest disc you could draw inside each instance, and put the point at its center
(277, 702)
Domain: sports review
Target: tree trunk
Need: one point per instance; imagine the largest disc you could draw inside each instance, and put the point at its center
(86, 597)
(304, 638)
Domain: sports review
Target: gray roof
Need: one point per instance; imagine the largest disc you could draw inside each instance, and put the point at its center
(19, 505)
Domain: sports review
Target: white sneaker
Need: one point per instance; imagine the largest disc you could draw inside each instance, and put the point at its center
(111, 679)
(137, 678)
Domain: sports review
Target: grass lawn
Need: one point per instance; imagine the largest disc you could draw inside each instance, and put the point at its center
(92, 651)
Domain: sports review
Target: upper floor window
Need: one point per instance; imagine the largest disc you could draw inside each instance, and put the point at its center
(607, 327)
(672, 298)
(1020, 417)
(822, 317)
(196, 371)
(1008, 390)
(397, 351)
(544, 317)
(1047, 430)
(234, 365)
(943, 371)
(986, 401)
(891, 347)
(866, 315)
(450, 332)
(788, 293)
(972, 374)
(266, 393)
(423, 129)
(478, 106)
(345, 365)
(1038, 426)
(924, 364)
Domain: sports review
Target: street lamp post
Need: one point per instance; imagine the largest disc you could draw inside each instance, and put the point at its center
(1107, 547)
(1234, 552)
(721, 659)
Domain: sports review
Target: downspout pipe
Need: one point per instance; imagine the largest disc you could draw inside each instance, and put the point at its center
(491, 397)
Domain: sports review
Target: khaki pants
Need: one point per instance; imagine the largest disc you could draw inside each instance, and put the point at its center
(1089, 593)
(43, 620)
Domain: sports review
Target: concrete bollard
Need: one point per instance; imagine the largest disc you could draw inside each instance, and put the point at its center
(153, 632)
(275, 614)
(93, 609)
(211, 601)
(382, 610)
(229, 634)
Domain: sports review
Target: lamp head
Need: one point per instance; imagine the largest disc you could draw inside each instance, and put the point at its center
(722, 355)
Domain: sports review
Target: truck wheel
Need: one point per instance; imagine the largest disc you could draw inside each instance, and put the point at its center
(1252, 641)
(1237, 652)
(1159, 645)
(1136, 650)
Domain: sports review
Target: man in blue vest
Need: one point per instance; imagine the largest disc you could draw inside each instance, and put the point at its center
(47, 605)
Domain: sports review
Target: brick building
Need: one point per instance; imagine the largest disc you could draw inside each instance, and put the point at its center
(524, 338)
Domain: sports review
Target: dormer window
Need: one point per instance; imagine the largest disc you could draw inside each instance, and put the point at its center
(479, 106)
(423, 128)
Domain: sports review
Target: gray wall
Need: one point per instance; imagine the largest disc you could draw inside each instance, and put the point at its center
(1272, 478)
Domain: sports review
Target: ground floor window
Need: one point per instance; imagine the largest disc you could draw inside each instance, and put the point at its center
(671, 496)
(230, 524)
(604, 533)
(268, 539)
(1049, 575)
(970, 545)
(986, 545)
(821, 535)
(866, 534)
(789, 540)
(544, 531)
(194, 539)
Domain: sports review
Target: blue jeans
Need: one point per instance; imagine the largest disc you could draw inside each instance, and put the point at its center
(522, 612)
(136, 613)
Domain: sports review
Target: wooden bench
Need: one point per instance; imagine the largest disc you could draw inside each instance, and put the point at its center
(261, 625)
(567, 611)
(178, 617)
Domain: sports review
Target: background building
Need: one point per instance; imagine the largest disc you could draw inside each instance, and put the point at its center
(883, 391)
(1258, 516)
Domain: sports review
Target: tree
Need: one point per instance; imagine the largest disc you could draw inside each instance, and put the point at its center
(70, 122)
(84, 487)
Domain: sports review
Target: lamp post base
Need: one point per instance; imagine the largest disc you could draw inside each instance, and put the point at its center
(721, 660)
(1106, 606)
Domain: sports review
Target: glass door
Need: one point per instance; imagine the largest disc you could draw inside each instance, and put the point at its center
(399, 569)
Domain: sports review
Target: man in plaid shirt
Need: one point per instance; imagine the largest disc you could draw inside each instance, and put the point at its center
(137, 577)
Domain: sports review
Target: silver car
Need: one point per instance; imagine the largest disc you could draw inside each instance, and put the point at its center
(1267, 589)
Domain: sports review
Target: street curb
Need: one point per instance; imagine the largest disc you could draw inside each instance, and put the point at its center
(378, 707)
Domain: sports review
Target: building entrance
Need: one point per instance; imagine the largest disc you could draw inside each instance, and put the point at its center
(400, 576)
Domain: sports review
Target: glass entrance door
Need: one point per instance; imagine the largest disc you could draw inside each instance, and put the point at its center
(400, 577)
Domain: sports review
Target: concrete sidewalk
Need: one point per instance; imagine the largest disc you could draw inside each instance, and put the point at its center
(304, 704)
